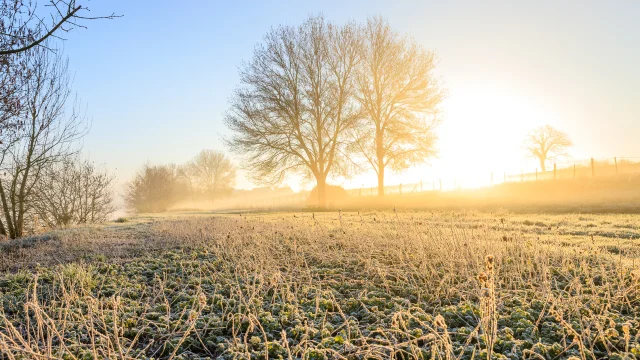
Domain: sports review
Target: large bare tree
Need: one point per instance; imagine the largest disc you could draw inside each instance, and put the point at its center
(295, 103)
(49, 125)
(399, 96)
(212, 174)
(546, 143)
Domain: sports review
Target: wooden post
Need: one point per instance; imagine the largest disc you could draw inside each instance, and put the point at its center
(574, 171)
(593, 169)
(555, 174)
(616, 161)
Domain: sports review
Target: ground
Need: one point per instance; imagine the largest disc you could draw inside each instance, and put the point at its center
(442, 285)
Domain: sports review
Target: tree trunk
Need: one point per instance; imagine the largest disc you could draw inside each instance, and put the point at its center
(322, 191)
(380, 159)
(7, 214)
(542, 165)
(381, 181)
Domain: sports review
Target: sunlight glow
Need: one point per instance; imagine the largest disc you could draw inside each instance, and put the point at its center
(482, 133)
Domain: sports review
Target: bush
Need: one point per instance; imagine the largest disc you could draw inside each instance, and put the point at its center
(335, 194)
(154, 189)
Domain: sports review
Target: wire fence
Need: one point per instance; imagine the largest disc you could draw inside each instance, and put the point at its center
(581, 169)
(575, 169)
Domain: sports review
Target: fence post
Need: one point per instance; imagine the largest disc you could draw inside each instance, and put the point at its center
(616, 161)
(574, 171)
(555, 174)
(593, 170)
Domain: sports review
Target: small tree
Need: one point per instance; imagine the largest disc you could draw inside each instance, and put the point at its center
(154, 189)
(212, 173)
(546, 143)
(399, 97)
(295, 103)
(73, 192)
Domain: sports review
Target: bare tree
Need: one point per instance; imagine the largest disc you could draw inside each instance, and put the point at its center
(296, 103)
(46, 135)
(154, 189)
(73, 192)
(213, 173)
(547, 143)
(14, 73)
(399, 97)
(24, 25)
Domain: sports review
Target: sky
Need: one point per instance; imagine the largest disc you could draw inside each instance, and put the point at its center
(156, 82)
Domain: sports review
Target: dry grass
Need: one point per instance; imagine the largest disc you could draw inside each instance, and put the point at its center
(329, 285)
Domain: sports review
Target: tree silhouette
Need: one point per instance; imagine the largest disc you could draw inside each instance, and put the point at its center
(154, 189)
(295, 103)
(547, 143)
(212, 173)
(399, 97)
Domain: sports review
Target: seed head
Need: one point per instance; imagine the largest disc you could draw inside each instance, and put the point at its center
(202, 299)
(488, 262)
(626, 327)
(482, 278)
(439, 322)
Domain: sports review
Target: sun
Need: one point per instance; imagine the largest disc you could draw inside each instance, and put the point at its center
(482, 135)
(480, 141)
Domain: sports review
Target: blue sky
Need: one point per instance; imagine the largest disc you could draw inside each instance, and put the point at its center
(156, 82)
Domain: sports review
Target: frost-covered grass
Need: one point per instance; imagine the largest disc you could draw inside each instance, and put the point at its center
(328, 285)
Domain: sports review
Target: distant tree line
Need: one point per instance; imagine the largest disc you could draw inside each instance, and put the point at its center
(327, 100)
(209, 176)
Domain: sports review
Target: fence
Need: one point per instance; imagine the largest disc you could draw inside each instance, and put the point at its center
(399, 189)
(590, 168)
(576, 169)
